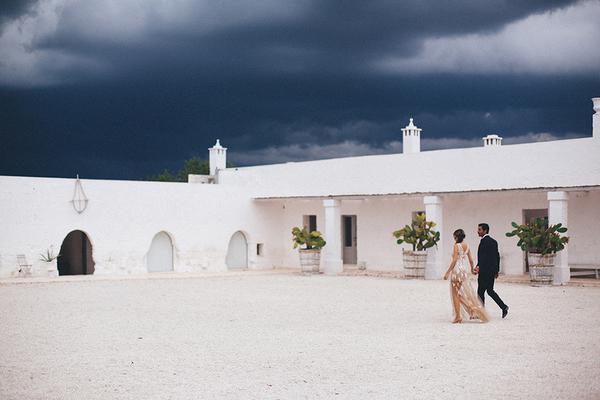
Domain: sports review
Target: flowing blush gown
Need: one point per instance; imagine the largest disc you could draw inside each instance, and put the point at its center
(465, 301)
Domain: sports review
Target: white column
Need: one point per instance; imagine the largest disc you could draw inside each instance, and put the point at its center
(596, 118)
(558, 203)
(434, 212)
(332, 252)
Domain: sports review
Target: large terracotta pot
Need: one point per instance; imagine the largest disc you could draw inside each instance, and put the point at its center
(541, 269)
(310, 260)
(414, 263)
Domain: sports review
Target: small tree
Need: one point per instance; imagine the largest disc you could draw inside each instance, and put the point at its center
(194, 166)
(419, 234)
(165, 176)
(310, 240)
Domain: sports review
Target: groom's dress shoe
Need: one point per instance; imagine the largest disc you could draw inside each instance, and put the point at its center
(505, 312)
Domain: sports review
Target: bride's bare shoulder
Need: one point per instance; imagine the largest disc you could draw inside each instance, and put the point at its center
(463, 246)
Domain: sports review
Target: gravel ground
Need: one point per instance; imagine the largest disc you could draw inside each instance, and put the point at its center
(292, 336)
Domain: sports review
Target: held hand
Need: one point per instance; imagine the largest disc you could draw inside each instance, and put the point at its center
(496, 275)
(475, 270)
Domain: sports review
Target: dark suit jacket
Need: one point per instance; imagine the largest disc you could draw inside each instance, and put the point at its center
(488, 257)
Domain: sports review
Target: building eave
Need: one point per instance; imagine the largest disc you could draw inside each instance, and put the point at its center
(360, 196)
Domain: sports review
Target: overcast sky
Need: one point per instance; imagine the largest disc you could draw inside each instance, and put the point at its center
(127, 88)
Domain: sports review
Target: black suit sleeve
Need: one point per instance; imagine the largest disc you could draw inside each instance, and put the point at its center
(496, 256)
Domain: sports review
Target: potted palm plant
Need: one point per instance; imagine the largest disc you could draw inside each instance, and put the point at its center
(310, 244)
(541, 243)
(421, 235)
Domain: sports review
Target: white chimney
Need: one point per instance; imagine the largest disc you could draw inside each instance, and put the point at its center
(217, 157)
(492, 141)
(411, 138)
(596, 118)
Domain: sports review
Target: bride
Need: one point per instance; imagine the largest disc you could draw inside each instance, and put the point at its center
(460, 287)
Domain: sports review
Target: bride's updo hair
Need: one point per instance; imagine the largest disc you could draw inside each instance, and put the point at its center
(459, 235)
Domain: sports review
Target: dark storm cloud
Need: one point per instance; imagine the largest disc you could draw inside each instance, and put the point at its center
(10, 9)
(362, 28)
(321, 36)
(127, 91)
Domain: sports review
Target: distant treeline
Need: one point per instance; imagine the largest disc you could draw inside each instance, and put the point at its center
(194, 165)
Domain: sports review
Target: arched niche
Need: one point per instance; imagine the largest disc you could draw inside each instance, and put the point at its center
(160, 254)
(75, 256)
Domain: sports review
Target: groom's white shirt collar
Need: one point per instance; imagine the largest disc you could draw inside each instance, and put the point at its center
(487, 234)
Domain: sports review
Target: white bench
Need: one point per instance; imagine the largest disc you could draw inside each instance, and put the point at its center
(585, 269)
(24, 266)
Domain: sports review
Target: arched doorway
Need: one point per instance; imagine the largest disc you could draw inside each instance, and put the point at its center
(237, 252)
(76, 255)
(160, 255)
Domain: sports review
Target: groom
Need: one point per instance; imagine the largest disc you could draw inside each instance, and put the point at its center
(488, 265)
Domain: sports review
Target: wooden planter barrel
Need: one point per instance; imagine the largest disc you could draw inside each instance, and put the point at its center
(414, 263)
(541, 269)
(310, 260)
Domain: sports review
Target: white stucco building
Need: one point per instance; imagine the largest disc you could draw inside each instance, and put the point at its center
(242, 217)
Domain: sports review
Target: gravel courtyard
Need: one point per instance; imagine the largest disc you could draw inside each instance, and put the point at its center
(261, 336)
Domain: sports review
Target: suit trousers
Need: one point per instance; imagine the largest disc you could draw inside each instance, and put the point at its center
(486, 284)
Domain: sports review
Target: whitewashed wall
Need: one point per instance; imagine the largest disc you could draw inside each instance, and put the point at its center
(496, 209)
(584, 227)
(378, 218)
(122, 218)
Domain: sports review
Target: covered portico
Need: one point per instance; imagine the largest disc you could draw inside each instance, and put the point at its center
(332, 253)
(377, 216)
